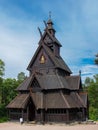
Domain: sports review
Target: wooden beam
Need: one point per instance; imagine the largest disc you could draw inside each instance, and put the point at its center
(40, 32)
(45, 24)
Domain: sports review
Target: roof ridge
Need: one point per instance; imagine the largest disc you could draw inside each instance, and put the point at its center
(34, 56)
(64, 99)
(60, 81)
(57, 60)
(81, 100)
(25, 99)
(53, 38)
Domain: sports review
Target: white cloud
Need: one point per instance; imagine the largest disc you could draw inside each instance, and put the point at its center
(92, 69)
(17, 45)
(76, 25)
(88, 71)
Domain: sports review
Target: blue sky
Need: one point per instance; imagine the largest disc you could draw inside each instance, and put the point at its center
(76, 25)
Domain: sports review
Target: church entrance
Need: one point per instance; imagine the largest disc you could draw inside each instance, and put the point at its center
(31, 111)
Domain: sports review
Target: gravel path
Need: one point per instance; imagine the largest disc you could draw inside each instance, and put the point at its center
(18, 126)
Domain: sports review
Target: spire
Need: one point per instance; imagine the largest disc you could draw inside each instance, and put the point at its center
(80, 72)
(50, 25)
(49, 14)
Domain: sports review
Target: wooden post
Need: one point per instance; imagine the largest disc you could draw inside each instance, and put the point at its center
(67, 113)
(35, 115)
(83, 114)
(9, 114)
(42, 109)
(22, 113)
(42, 116)
(27, 114)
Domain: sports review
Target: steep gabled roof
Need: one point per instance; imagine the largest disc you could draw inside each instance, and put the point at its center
(58, 82)
(47, 32)
(58, 61)
(25, 84)
(51, 81)
(84, 98)
(19, 101)
(34, 57)
(54, 39)
(73, 82)
(57, 100)
(50, 100)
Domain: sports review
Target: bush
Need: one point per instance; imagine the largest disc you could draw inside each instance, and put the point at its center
(93, 113)
(3, 119)
(3, 111)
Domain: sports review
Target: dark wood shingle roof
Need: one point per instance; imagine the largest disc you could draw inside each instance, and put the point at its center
(57, 100)
(49, 100)
(84, 97)
(19, 101)
(73, 82)
(58, 82)
(25, 84)
(58, 61)
(52, 81)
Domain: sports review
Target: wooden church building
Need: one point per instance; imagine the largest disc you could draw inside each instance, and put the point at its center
(50, 93)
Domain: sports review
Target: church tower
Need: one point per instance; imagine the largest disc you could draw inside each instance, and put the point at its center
(47, 57)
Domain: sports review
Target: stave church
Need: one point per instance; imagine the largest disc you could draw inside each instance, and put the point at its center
(50, 93)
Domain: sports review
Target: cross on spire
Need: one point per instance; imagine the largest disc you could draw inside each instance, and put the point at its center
(49, 14)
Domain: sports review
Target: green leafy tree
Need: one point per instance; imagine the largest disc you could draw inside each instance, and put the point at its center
(1, 81)
(87, 81)
(7, 89)
(2, 106)
(9, 92)
(93, 96)
(93, 113)
(2, 68)
(21, 76)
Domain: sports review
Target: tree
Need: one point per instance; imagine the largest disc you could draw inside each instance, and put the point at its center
(1, 81)
(7, 89)
(96, 59)
(9, 92)
(93, 96)
(87, 81)
(2, 68)
(21, 76)
(2, 65)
